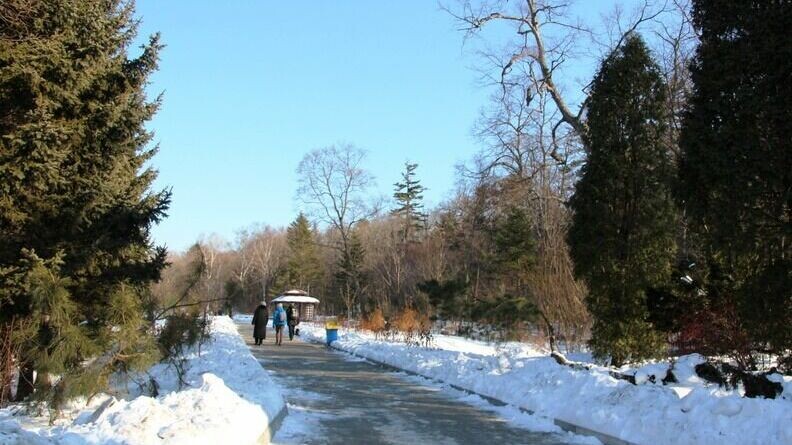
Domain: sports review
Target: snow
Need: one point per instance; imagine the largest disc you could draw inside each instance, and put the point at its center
(248, 319)
(651, 373)
(228, 397)
(459, 344)
(509, 413)
(295, 299)
(300, 425)
(689, 412)
(304, 420)
(243, 318)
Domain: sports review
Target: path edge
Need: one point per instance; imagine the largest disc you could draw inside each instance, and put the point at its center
(605, 438)
(274, 423)
(273, 426)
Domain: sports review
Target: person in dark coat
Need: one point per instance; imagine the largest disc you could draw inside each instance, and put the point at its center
(260, 318)
(291, 320)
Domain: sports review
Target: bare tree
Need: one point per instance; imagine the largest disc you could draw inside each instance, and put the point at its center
(431, 257)
(242, 263)
(530, 51)
(529, 161)
(677, 40)
(266, 251)
(533, 130)
(258, 255)
(545, 39)
(382, 241)
(200, 276)
(214, 250)
(333, 186)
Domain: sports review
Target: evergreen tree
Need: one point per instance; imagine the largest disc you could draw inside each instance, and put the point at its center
(736, 161)
(349, 276)
(446, 297)
(409, 199)
(514, 254)
(75, 203)
(235, 296)
(622, 233)
(303, 267)
(515, 248)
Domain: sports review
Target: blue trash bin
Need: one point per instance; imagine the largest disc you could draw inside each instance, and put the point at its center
(332, 335)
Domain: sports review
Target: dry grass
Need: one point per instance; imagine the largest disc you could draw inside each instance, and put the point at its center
(374, 322)
(409, 326)
(414, 327)
(410, 320)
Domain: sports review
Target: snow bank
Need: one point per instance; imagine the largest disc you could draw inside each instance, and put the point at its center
(228, 398)
(689, 413)
(243, 318)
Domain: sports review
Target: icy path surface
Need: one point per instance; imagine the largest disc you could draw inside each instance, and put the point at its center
(333, 399)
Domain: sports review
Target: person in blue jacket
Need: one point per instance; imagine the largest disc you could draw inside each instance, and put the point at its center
(279, 321)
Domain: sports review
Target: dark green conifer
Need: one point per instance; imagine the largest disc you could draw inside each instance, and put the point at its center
(622, 233)
(514, 255)
(349, 276)
(75, 200)
(515, 248)
(736, 162)
(446, 297)
(303, 267)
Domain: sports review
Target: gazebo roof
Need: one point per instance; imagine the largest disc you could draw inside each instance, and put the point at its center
(295, 299)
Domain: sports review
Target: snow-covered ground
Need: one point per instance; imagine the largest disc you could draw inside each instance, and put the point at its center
(229, 398)
(690, 412)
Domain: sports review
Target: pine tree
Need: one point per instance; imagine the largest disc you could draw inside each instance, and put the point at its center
(622, 233)
(303, 267)
(513, 259)
(409, 199)
(446, 297)
(736, 161)
(515, 248)
(75, 200)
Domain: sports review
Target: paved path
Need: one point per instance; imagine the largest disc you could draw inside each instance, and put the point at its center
(335, 399)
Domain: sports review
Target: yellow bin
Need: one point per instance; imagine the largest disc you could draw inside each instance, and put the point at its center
(331, 329)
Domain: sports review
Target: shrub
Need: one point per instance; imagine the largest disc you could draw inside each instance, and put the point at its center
(716, 331)
(375, 323)
(414, 327)
(730, 377)
(181, 331)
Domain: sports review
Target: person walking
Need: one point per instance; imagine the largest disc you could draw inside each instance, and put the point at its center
(279, 321)
(291, 320)
(260, 318)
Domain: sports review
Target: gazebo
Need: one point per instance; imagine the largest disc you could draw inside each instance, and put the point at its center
(305, 304)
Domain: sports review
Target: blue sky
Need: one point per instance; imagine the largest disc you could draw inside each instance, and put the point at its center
(250, 86)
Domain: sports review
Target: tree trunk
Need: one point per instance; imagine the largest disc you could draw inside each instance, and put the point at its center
(25, 386)
(550, 332)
